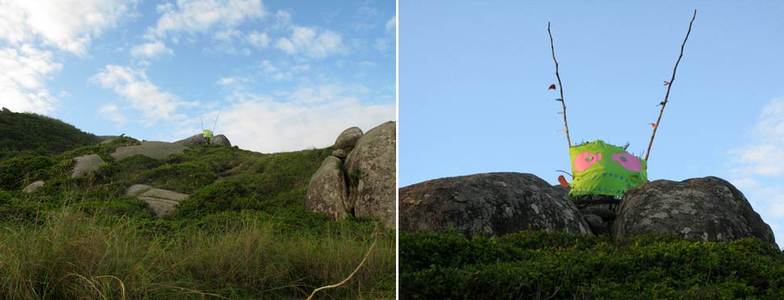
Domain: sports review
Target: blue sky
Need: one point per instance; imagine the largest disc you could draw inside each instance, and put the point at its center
(282, 75)
(474, 98)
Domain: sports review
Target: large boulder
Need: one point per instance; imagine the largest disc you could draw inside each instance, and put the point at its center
(197, 139)
(372, 173)
(31, 188)
(488, 204)
(348, 139)
(708, 208)
(220, 140)
(163, 202)
(154, 150)
(327, 190)
(86, 164)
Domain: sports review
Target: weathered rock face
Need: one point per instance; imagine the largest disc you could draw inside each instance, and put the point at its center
(86, 164)
(371, 172)
(137, 189)
(163, 202)
(154, 150)
(221, 140)
(327, 191)
(708, 208)
(488, 204)
(31, 188)
(348, 139)
(197, 139)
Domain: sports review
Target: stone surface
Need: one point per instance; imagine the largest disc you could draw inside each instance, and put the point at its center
(348, 139)
(137, 189)
(197, 139)
(371, 173)
(221, 140)
(708, 208)
(154, 150)
(327, 190)
(30, 188)
(339, 153)
(86, 164)
(162, 202)
(488, 204)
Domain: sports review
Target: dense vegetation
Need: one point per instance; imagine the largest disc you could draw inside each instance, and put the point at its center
(243, 233)
(554, 265)
(40, 134)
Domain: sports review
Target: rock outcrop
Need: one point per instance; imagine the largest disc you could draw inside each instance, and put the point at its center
(31, 188)
(154, 150)
(348, 139)
(371, 173)
(488, 204)
(163, 202)
(220, 140)
(199, 139)
(362, 165)
(327, 190)
(86, 164)
(708, 208)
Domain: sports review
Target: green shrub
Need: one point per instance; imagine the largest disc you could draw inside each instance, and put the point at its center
(538, 264)
(40, 134)
(20, 170)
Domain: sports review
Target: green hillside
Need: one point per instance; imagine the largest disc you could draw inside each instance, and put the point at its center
(554, 265)
(36, 133)
(243, 233)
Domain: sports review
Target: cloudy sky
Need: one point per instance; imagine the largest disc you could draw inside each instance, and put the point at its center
(276, 75)
(473, 95)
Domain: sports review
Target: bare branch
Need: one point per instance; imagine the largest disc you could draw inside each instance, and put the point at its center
(669, 85)
(560, 86)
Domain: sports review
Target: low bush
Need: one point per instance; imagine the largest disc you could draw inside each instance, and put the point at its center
(555, 265)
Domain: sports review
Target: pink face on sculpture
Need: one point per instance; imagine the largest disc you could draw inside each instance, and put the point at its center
(585, 160)
(627, 161)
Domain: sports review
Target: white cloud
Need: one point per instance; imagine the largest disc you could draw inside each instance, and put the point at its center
(305, 118)
(196, 16)
(113, 113)
(391, 25)
(69, 25)
(150, 50)
(142, 95)
(759, 167)
(231, 80)
(284, 72)
(311, 43)
(765, 156)
(282, 18)
(258, 39)
(24, 71)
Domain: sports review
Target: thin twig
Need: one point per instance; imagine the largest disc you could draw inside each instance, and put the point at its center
(669, 86)
(370, 250)
(560, 86)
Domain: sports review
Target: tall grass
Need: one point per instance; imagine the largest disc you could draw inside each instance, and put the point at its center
(72, 255)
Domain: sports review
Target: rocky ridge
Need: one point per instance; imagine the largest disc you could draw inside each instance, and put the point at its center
(358, 179)
(706, 208)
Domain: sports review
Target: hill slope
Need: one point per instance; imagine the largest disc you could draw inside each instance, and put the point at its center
(32, 132)
(243, 233)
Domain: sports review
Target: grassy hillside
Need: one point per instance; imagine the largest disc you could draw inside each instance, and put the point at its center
(36, 133)
(542, 265)
(243, 233)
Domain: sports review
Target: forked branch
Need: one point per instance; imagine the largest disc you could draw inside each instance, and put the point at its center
(560, 87)
(663, 104)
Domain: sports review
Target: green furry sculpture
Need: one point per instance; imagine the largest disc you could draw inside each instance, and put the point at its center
(604, 170)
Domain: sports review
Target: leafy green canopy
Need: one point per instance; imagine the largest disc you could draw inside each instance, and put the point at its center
(36, 133)
(557, 265)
